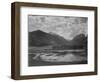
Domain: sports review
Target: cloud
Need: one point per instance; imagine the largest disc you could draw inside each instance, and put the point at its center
(65, 26)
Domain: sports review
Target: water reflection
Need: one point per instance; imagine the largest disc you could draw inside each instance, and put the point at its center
(57, 58)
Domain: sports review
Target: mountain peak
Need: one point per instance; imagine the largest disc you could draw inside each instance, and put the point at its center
(38, 31)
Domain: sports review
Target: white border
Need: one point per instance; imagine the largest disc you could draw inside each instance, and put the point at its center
(25, 70)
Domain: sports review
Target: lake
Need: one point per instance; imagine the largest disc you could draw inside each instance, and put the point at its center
(62, 57)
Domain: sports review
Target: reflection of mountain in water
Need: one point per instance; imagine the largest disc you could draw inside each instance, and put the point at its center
(39, 38)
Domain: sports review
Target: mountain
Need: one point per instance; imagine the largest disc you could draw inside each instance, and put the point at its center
(79, 41)
(40, 38)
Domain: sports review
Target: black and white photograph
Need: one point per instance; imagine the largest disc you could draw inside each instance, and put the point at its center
(57, 40)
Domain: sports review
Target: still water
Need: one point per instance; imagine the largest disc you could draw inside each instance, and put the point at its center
(58, 58)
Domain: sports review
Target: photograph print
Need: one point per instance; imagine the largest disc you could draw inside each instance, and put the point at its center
(57, 40)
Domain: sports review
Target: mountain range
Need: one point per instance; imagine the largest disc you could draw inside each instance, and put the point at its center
(40, 38)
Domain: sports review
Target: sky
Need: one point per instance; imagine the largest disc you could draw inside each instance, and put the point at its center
(65, 26)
